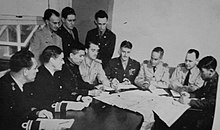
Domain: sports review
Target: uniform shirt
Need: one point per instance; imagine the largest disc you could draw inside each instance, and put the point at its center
(106, 44)
(179, 75)
(115, 69)
(93, 73)
(70, 38)
(43, 38)
(15, 107)
(146, 74)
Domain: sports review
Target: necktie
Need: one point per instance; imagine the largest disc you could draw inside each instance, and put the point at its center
(72, 35)
(154, 69)
(186, 81)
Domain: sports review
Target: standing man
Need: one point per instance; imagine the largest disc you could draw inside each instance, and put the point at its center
(154, 73)
(186, 76)
(123, 68)
(16, 107)
(70, 75)
(203, 98)
(91, 68)
(68, 31)
(103, 36)
(46, 36)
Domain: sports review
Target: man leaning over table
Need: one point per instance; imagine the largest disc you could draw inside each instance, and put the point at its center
(91, 68)
(123, 69)
(203, 98)
(186, 76)
(153, 74)
(16, 106)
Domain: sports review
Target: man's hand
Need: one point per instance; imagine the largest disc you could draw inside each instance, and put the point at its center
(86, 99)
(95, 92)
(114, 84)
(45, 114)
(126, 81)
(185, 98)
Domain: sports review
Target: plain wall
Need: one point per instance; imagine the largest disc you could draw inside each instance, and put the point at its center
(175, 25)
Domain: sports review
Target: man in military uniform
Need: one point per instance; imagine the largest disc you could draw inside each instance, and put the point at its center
(47, 87)
(154, 73)
(186, 76)
(103, 36)
(46, 36)
(203, 99)
(91, 68)
(16, 107)
(70, 76)
(68, 31)
(123, 68)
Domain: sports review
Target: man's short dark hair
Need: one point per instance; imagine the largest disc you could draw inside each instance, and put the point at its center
(50, 52)
(126, 44)
(49, 12)
(67, 11)
(76, 49)
(87, 45)
(207, 62)
(20, 60)
(190, 51)
(101, 14)
(159, 50)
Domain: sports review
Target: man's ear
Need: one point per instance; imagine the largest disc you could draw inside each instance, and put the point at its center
(95, 22)
(211, 71)
(25, 71)
(86, 50)
(62, 19)
(119, 51)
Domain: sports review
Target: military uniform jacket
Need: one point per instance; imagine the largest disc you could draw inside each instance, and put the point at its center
(67, 39)
(106, 44)
(146, 74)
(115, 69)
(72, 80)
(43, 38)
(15, 107)
(179, 75)
(47, 89)
(206, 96)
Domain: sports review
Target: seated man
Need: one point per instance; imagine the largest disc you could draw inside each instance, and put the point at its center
(203, 98)
(91, 68)
(154, 73)
(71, 77)
(16, 108)
(186, 76)
(123, 69)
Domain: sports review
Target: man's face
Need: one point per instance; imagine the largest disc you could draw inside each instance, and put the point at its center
(155, 58)
(78, 57)
(102, 24)
(53, 23)
(69, 22)
(205, 73)
(30, 74)
(125, 53)
(190, 60)
(57, 62)
(92, 52)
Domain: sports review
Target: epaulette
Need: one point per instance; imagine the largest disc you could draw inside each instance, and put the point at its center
(98, 60)
(165, 65)
(146, 62)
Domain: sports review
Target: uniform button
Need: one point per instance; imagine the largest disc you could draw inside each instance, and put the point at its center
(11, 107)
(68, 44)
(61, 87)
(124, 74)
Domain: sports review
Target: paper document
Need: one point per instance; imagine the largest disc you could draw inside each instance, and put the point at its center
(55, 124)
(169, 110)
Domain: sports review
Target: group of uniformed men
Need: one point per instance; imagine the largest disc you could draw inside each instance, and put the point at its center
(70, 70)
